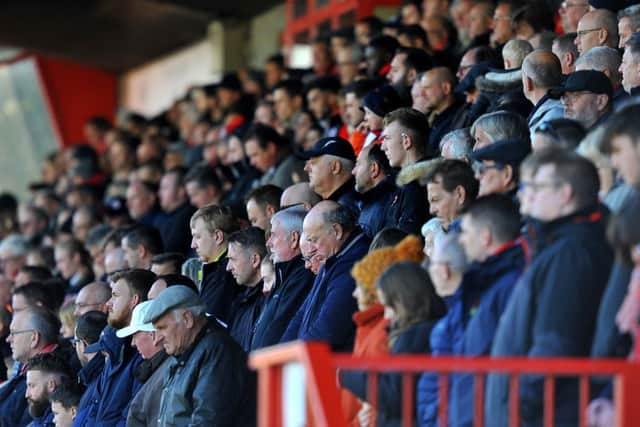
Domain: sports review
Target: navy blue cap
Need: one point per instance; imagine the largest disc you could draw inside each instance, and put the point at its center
(334, 146)
(584, 81)
(506, 152)
(382, 100)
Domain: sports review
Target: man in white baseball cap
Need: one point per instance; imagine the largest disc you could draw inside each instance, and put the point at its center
(145, 404)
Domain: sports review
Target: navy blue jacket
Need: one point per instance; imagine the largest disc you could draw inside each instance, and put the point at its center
(552, 313)
(175, 229)
(486, 289)
(246, 309)
(218, 289)
(414, 340)
(442, 125)
(409, 208)
(293, 283)
(374, 205)
(44, 421)
(326, 314)
(89, 376)
(14, 410)
(346, 195)
(117, 385)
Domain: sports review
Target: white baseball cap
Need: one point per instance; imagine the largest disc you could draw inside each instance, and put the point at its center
(137, 325)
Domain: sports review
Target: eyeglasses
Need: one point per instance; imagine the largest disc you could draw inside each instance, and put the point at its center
(24, 331)
(583, 32)
(83, 305)
(572, 96)
(480, 168)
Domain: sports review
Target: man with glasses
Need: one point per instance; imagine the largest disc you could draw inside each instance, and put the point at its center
(586, 97)
(496, 166)
(597, 28)
(571, 262)
(33, 331)
(570, 12)
(92, 297)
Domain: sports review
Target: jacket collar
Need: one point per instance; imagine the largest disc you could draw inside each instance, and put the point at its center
(370, 315)
(345, 188)
(147, 367)
(377, 192)
(91, 370)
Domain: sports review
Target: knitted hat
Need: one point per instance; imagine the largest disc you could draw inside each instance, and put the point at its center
(368, 269)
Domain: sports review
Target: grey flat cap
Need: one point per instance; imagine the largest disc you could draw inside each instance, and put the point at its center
(172, 297)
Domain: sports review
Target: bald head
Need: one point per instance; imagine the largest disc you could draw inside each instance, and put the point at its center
(597, 28)
(327, 227)
(92, 297)
(300, 193)
(542, 69)
(442, 75)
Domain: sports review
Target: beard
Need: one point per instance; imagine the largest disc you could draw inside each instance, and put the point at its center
(37, 408)
(117, 320)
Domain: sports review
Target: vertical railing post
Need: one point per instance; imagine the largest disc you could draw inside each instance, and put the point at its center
(626, 386)
(270, 386)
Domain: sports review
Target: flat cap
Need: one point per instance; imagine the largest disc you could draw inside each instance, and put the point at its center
(170, 298)
(506, 152)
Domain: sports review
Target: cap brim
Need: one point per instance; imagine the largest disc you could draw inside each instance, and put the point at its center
(93, 348)
(306, 155)
(132, 329)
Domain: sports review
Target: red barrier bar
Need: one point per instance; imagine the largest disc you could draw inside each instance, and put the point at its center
(514, 400)
(584, 399)
(407, 399)
(478, 401)
(549, 400)
(443, 399)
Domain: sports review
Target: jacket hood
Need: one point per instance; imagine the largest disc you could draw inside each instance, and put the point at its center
(500, 82)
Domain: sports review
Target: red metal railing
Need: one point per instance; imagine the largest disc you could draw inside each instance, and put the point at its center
(323, 396)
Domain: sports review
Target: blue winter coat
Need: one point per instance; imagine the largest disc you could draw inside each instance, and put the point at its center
(44, 421)
(409, 208)
(414, 340)
(552, 313)
(89, 376)
(117, 384)
(218, 289)
(374, 205)
(326, 314)
(486, 289)
(293, 283)
(13, 405)
(246, 309)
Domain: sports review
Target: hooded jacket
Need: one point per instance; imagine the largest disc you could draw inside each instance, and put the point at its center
(89, 376)
(571, 263)
(209, 384)
(293, 283)
(326, 313)
(117, 384)
(546, 109)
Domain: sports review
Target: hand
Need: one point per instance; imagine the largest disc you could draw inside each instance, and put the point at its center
(365, 415)
(600, 413)
(363, 128)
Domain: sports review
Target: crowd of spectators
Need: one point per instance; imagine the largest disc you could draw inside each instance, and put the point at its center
(460, 180)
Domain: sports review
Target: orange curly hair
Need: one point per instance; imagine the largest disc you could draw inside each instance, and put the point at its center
(368, 269)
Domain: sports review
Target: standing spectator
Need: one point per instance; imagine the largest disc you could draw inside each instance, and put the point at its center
(262, 203)
(292, 281)
(210, 228)
(403, 142)
(145, 405)
(325, 315)
(174, 201)
(572, 261)
(246, 251)
(207, 381)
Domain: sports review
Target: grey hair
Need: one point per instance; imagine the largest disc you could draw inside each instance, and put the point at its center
(14, 245)
(291, 218)
(45, 323)
(590, 148)
(450, 251)
(501, 125)
(633, 13)
(516, 50)
(601, 58)
(340, 215)
(461, 143)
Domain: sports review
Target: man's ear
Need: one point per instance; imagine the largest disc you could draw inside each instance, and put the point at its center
(407, 141)
(569, 58)
(255, 260)
(294, 239)
(338, 230)
(602, 101)
(507, 174)
(336, 167)
(460, 195)
(446, 88)
(528, 83)
(603, 34)
(188, 319)
(51, 385)
(218, 236)
(374, 170)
